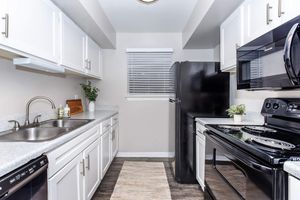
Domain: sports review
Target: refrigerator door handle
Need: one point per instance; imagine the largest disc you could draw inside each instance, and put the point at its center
(174, 100)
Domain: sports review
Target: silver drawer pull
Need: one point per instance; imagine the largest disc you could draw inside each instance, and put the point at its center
(107, 126)
(6, 20)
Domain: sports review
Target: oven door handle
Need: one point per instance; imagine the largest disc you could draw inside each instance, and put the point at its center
(287, 55)
(250, 163)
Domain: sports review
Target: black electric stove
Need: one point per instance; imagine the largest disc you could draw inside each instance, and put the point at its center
(272, 145)
(247, 161)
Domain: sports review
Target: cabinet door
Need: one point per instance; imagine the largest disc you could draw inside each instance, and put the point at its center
(105, 151)
(92, 169)
(293, 191)
(67, 183)
(200, 160)
(93, 56)
(288, 9)
(72, 44)
(231, 38)
(260, 17)
(114, 140)
(32, 27)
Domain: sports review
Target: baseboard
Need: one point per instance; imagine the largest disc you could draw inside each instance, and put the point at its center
(145, 154)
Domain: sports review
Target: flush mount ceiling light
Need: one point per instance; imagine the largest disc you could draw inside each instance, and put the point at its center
(147, 1)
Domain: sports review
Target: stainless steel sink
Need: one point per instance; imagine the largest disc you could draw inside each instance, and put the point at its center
(45, 131)
(35, 134)
(65, 123)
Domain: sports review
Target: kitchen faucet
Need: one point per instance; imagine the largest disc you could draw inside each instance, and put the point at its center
(27, 123)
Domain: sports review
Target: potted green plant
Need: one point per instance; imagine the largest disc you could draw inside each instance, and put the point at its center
(91, 93)
(237, 112)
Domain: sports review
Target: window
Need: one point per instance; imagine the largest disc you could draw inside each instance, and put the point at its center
(149, 72)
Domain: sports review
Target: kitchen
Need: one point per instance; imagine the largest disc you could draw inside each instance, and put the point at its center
(148, 116)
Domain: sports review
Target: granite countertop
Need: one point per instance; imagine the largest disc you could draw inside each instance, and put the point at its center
(15, 154)
(293, 168)
(205, 121)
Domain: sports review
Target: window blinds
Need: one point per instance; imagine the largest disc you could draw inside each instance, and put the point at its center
(149, 72)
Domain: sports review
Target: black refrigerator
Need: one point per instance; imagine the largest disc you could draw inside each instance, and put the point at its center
(199, 88)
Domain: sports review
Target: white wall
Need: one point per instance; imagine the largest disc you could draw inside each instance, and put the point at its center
(143, 124)
(254, 99)
(18, 86)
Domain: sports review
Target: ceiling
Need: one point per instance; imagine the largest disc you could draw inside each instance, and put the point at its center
(161, 16)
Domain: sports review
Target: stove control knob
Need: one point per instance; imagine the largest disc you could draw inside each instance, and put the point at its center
(268, 105)
(275, 106)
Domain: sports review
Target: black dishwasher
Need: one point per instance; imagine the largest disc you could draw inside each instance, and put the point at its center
(28, 182)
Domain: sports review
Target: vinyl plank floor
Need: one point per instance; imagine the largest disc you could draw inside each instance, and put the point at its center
(178, 191)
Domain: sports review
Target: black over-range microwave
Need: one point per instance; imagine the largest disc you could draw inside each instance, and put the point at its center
(271, 61)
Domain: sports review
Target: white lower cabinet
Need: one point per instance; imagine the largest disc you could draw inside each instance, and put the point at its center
(293, 188)
(200, 160)
(105, 150)
(114, 140)
(77, 167)
(80, 177)
(92, 173)
(67, 183)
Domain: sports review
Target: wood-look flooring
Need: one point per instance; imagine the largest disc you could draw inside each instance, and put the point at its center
(178, 191)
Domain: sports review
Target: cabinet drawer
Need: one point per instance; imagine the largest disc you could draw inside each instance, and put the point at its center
(61, 156)
(105, 126)
(114, 119)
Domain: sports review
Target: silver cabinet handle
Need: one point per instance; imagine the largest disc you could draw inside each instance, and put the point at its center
(269, 20)
(113, 134)
(86, 64)
(83, 168)
(6, 20)
(88, 162)
(107, 126)
(280, 12)
(90, 64)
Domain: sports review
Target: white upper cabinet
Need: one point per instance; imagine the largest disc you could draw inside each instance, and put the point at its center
(93, 58)
(231, 38)
(262, 16)
(259, 17)
(72, 44)
(31, 26)
(288, 9)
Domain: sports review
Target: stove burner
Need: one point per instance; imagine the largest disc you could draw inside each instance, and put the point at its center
(259, 129)
(233, 128)
(273, 143)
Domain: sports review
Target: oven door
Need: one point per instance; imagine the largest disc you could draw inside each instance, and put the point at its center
(233, 174)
